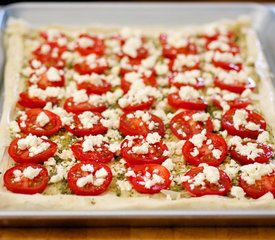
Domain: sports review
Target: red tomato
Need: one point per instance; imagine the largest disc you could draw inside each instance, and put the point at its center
(193, 104)
(233, 48)
(142, 53)
(236, 103)
(70, 106)
(100, 154)
(54, 40)
(34, 102)
(260, 187)
(77, 128)
(183, 126)
(244, 159)
(93, 89)
(237, 87)
(221, 188)
(30, 126)
(22, 156)
(136, 126)
(98, 46)
(149, 81)
(50, 58)
(26, 185)
(44, 82)
(154, 155)
(227, 124)
(200, 83)
(139, 106)
(209, 38)
(184, 68)
(89, 189)
(133, 65)
(83, 68)
(228, 66)
(205, 154)
(145, 172)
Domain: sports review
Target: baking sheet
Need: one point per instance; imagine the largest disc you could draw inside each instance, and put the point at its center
(148, 14)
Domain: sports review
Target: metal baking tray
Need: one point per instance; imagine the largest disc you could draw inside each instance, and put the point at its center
(142, 14)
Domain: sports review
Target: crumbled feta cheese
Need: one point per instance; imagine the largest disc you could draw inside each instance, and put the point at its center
(42, 119)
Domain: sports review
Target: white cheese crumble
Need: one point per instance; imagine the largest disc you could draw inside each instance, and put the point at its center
(28, 172)
(42, 119)
(53, 74)
(91, 141)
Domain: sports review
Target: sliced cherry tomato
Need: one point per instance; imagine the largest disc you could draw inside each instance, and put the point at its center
(236, 103)
(44, 82)
(209, 38)
(22, 156)
(33, 102)
(54, 40)
(142, 53)
(70, 106)
(94, 89)
(24, 185)
(139, 106)
(221, 188)
(100, 154)
(206, 153)
(233, 48)
(183, 126)
(227, 124)
(144, 173)
(237, 87)
(228, 66)
(267, 153)
(184, 67)
(83, 68)
(260, 187)
(133, 65)
(78, 130)
(155, 152)
(200, 83)
(30, 126)
(193, 104)
(97, 47)
(132, 125)
(89, 189)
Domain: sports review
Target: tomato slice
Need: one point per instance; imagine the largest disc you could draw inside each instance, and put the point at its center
(79, 130)
(83, 68)
(260, 187)
(139, 106)
(228, 66)
(100, 153)
(246, 158)
(206, 152)
(29, 124)
(233, 48)
(236, 103)
(22, 156)
(140, 123)
(155, 153)
(199, 82)
(92, 188)
(70, 106)
(184, 67)
(222, 187)
(44, 82)
(183, 126)
(24, 185)
(54, 40)
(192, 104)
(230, 35)
(143, 181)
(237, 87)
(30, 102)
(227, 124)
(94, 89)
(97, 47)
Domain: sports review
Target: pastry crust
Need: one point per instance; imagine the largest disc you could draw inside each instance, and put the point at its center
(109, 201)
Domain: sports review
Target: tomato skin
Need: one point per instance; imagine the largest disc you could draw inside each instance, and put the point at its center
(98, 47)
(89, 189)
(140, 106)
(130, 126)
(30, 102)
(136, 159)
(44, 82)
(93, 89)
(22, 156)
(261, 187)
(190, 126)
(205, 154)
(228, 66)
(237, 103)
(103, 156)
(79, 108)
(200, 83)
(209, 189)
(175, 101)
(83, 68)
(263, 158)
(140, 172)
(236, 88)
(227, 124)
(48, 130)
(28, 186)
(81, 132)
